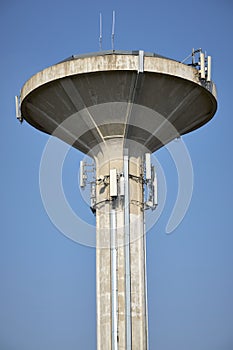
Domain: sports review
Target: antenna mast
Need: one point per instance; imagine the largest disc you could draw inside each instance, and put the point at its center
(113, 29)
(100, 37)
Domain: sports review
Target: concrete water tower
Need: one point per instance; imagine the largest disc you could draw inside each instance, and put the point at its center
(119, 107)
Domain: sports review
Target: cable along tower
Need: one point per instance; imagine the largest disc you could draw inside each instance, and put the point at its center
(119, 107)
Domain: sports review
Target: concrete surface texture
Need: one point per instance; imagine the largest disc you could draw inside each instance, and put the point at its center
(111, 157)
(99, 95)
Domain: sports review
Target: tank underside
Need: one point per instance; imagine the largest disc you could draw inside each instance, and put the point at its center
(151, 108)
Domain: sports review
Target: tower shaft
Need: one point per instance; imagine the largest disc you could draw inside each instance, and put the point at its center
(120, 252)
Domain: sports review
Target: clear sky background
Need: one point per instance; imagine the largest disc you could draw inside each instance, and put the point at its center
(47, 292)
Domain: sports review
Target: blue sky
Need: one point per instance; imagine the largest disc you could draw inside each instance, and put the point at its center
(47, 294)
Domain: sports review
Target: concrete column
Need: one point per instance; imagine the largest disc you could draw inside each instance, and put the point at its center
(110, 156)
(137, 258)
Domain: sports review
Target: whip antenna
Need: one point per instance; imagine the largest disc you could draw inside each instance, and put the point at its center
(113, 29)
(100, 37)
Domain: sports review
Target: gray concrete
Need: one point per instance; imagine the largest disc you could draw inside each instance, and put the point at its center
(110, 157)
(82, 89)
(101, 105)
